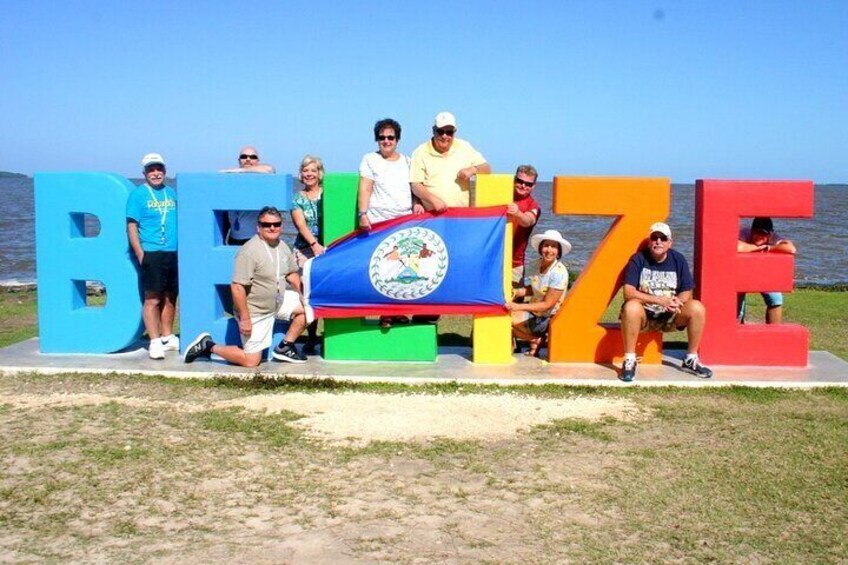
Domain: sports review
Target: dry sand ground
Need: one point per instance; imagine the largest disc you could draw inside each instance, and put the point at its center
(364, 478)
(106, 469)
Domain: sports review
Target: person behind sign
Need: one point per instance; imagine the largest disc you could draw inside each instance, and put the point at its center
(545, 283)
(761, 238)
(307, 211)
(443, 167)
(384, 190)
(152, 232)
(524, 213)
(242, 222)
(441, 171)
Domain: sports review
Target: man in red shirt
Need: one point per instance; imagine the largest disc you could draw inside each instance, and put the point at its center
(524, 212)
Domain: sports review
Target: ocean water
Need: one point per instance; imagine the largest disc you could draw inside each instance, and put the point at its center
(821, 241)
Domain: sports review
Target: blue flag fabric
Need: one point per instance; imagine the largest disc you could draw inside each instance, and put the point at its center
(447, 263)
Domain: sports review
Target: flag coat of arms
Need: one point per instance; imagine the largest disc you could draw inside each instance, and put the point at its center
(447, 263)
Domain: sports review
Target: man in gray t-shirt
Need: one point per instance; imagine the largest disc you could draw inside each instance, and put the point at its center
(265, 287)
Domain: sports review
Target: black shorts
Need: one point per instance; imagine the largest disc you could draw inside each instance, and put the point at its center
(159, 272)
(538, 326)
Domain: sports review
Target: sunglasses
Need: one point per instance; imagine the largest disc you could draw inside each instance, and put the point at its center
(526, 183)
(659, 236)
(270, 224)
(386, 137)
(246, 156)
(445, 131)
(149, 168)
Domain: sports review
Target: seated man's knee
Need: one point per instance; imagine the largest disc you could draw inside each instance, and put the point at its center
(632, 309)
(252, 359)
(695, 309)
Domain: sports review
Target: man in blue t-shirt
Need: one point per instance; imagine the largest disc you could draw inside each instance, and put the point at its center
(658, 297)
(152, 233)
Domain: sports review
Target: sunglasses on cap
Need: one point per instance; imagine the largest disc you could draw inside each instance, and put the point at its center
(251, 156)
(445, 131)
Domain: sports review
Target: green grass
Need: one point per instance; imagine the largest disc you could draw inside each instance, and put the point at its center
(710, 475)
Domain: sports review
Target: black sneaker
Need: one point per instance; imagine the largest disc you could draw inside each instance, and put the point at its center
(288, 353)
(693, 367)
(628, 370)
(200, 347)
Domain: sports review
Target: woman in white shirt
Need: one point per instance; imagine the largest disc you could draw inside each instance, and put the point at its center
(384, 190)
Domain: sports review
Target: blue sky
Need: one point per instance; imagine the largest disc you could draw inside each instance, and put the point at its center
(686, 90)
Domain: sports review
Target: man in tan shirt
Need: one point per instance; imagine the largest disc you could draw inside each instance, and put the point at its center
(443, 166)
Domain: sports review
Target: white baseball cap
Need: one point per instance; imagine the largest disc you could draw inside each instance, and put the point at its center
(152, 159)
(661, 228)
(445, 119)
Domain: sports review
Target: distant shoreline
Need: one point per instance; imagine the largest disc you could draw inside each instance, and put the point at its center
(8, 175)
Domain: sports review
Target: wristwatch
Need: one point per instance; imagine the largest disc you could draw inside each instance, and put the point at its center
(362, 213)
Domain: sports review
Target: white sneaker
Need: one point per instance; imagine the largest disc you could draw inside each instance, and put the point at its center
(156, 350)
(173, 344)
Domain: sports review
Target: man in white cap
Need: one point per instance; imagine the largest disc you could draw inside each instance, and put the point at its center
(152, 233)
(442, 167)
(658, 297)
(242, 222)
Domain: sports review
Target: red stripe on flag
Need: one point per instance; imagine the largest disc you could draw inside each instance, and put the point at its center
(485, 212)
(407, 309)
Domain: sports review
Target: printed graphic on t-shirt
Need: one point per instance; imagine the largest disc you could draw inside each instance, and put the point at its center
(657, 283)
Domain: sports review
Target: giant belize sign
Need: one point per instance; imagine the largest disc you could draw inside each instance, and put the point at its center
(67, 259)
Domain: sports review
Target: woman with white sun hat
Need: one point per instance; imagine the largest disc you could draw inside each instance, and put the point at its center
(545, 282)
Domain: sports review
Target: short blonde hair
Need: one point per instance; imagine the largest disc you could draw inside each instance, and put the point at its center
(308, 160)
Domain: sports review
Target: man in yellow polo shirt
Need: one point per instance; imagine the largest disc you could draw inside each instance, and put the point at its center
(442, 167)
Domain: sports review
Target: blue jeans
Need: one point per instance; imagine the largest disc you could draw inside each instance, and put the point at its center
(772, 300)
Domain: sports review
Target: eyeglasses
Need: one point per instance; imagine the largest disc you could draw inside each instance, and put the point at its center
(659, 236)
(526, 183)
(386, 137)
(270, 224)
(445, 131)
(246, 156)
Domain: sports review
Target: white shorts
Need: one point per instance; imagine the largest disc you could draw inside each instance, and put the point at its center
(263, 326)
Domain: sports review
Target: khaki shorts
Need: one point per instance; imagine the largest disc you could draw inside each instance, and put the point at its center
(658, 324)
(263, 326)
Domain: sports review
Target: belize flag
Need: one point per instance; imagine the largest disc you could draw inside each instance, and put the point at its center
(446, 263)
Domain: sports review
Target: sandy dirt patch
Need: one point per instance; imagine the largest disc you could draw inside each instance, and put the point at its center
(363, 417)
(359, 418)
